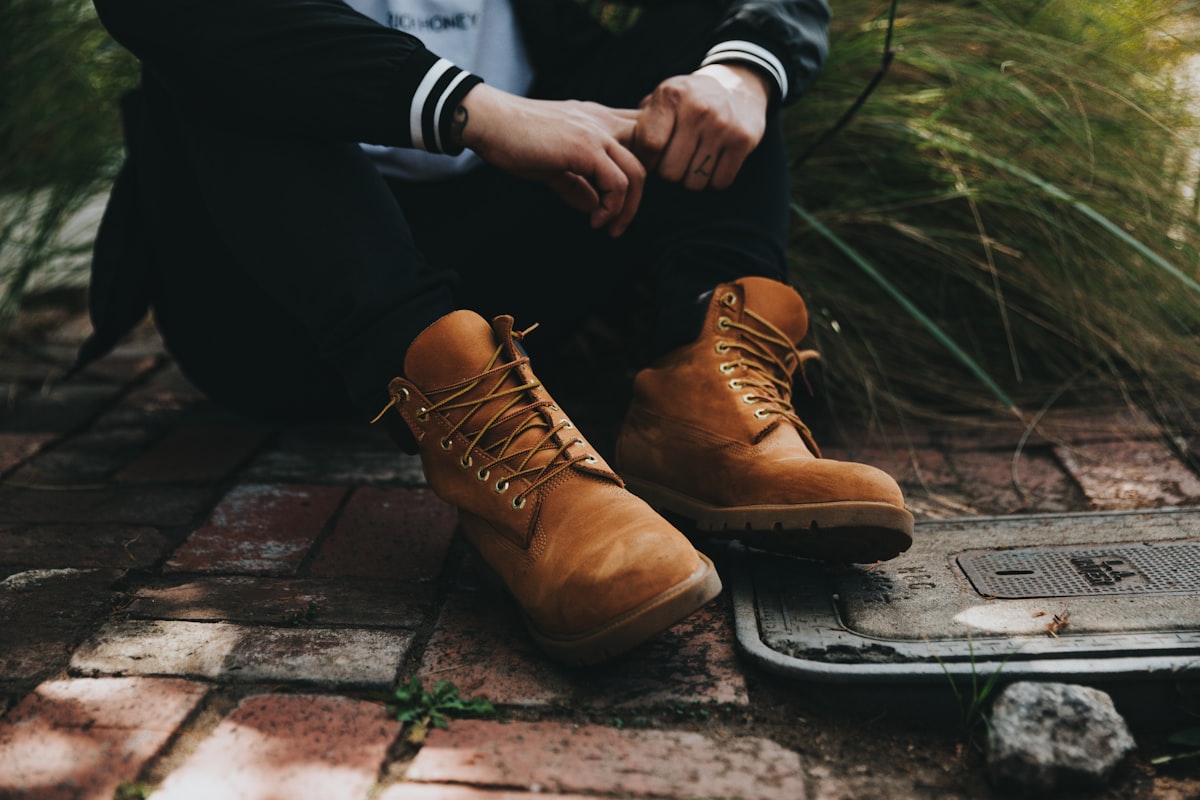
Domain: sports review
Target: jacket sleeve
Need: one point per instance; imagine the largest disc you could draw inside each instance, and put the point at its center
(787, 39)
(294, 67)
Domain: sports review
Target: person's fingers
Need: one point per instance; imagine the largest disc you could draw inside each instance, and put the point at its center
(726, 170)
(653, 132)
(635, 172)
(574, 190)
(736, 146)
(704, 165)
(629, 115)
(611, 184)
(677, 157)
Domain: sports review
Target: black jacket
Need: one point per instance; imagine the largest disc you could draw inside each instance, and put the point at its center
(318, 69)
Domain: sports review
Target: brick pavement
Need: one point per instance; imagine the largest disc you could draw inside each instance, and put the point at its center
(210, 607)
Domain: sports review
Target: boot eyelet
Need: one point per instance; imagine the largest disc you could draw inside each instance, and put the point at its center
(501, 486)
(737, 383)
(591, 460)
(723, 323)
(727, 368)
(446, 444)
(518, 502)
(749, 399)
(466, 462)
(761, 413)
(405, 395)
(483, 474)
(729, 299)
(566, 423)
(422, 414)
(722, 347)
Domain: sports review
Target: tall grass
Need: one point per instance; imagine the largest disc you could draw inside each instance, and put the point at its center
(60, 76)
(1021, 186)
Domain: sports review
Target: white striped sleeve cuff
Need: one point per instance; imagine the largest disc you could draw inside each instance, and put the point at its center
(751, 53)
(433, 105)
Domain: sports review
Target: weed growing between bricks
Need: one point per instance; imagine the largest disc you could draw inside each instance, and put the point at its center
(422, 708)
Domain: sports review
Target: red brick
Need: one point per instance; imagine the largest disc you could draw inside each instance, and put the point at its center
(126, 363)
(263, 529)
(28, 368)
(1130, 475)
(44, 614)
(119, 546)
(480, 644)
(908, 466)
(441, 791)
(987, 478)
(163, 398)
(168, 388)
(84, 461)
(140, 353)
(80, 739)
(243, 653)
(200, 453)
(931, 489)
(355, 454)
(1079, 426)
(59, 410)
(17, 447)
(396, 534)
(302, 602)
(554, 757)
(288, 746)
(160, 507)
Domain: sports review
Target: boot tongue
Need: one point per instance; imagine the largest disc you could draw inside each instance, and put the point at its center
(455, 348)
(460, 347)
(777, 303)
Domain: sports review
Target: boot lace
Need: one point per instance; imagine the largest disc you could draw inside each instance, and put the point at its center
(769, 358)
(509, 435)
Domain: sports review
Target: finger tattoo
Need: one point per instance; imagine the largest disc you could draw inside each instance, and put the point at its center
(700, 170)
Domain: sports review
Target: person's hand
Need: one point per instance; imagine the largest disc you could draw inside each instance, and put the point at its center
(578, 149)
(697, 129)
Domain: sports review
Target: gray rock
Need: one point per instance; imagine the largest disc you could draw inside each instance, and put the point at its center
(1049, 736)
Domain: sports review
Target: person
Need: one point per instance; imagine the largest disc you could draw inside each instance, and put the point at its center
(331, 212)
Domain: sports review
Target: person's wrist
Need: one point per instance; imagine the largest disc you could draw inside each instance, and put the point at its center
(739, 76)
(476, 115)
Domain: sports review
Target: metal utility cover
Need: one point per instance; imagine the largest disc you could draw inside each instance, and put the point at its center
(1113, 595)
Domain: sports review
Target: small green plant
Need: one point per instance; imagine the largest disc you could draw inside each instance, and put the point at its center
(1188, 738)
(973, 701)
(299, 617)
(420, 708)
(132, 790)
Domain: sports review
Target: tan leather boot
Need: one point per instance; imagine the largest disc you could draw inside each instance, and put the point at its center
(711, 435)
(594, 569)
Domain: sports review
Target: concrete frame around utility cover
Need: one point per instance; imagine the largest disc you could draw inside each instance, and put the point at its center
(1106, 594)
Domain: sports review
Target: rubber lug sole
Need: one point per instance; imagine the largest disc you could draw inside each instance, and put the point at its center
(848, 531)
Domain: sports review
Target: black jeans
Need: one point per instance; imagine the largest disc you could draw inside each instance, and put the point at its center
(288, 277)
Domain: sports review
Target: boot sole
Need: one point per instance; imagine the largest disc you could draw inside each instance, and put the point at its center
(856, 532)
(630, 629)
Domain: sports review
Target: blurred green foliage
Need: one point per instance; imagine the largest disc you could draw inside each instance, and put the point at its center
(962, 180)
(60, 138)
